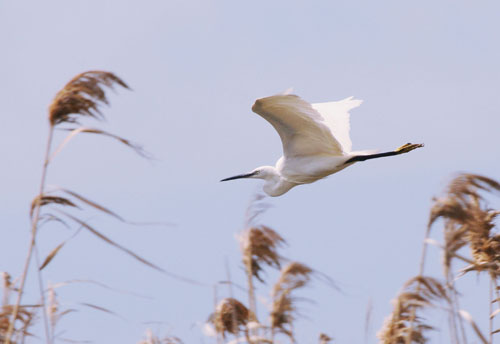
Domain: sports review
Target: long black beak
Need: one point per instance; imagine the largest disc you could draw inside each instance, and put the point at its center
(244, 175)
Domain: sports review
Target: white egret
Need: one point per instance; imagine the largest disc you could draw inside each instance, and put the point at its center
(315, 140)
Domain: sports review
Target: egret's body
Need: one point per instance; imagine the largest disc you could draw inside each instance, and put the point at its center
(315, 140)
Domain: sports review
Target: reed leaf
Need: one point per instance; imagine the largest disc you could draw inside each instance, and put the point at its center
(112, 243)
(45, 200)
(129, 252)
(75, 131)
(93, 204)
(101, 285)
(51, 255)
(101, 309)
(467, 317)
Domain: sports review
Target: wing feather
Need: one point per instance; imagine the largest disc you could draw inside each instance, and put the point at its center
(303, 131)
(337, 118)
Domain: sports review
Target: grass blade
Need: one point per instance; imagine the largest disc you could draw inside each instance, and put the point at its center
(129, 252)
(112, 243)
(42, 200)
(51, 255)
(68, 138)
(468, 318)
(75, 131)
(102, 309)
(93, 204)
(102, 285)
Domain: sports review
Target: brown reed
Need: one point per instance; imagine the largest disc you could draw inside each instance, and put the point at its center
(418, 293)
(230, 316)
(81, 96)
(283, 312)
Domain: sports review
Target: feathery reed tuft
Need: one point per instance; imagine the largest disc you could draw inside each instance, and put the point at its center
(468, 220)
(25, 316)
(53, 308)
(324, 339)
(418, 293)
(229, 315)
(294, 275)
(81, 96)
(260, 247)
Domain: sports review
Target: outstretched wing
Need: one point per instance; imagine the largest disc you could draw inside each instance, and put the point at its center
(336, 116)
(303, 131)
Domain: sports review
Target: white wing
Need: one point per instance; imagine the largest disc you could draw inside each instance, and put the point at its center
(336, 116)
(302, 129)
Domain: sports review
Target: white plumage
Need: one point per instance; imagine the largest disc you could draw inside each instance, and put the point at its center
(315, 139)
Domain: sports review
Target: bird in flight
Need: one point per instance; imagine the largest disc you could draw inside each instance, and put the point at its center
(315, 140)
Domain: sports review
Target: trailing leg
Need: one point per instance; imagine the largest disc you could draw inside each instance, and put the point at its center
(401, 150)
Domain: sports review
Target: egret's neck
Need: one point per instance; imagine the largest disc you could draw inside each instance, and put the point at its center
(269, 173)
(274, 184)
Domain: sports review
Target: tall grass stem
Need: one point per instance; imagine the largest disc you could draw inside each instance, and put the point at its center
(34, 228)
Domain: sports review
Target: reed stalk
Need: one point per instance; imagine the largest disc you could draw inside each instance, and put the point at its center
(34, 229)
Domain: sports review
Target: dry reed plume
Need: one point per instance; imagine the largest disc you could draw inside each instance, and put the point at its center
(293, 276)
(260, 249)
(467, 221)
(230, 316)
(324, 339)
(403, 325)
(81, 97)
(259, 246)
(25, 316)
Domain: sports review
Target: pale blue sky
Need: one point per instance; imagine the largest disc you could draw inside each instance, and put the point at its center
(427, 71)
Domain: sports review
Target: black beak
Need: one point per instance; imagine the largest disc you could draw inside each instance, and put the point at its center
(244, 175)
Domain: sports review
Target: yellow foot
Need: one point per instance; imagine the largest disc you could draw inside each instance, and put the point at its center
(408, 147)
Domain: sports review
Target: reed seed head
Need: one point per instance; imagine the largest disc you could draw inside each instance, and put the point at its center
(260, 247)
(229, 315)
(81, 96)
(324, 339)
(24, 320)
(283, 313)
(418, 293)
(468, 220)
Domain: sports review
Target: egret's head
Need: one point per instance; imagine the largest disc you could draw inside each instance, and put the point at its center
(263, 172)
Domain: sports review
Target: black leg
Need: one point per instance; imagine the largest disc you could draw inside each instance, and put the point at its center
(401, 150)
